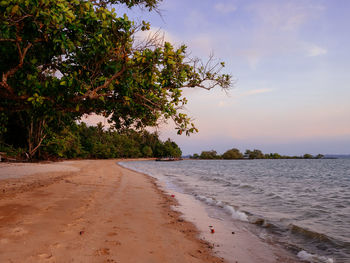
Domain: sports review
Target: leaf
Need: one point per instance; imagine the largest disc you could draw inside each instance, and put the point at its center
(14, 9)
(63, 83)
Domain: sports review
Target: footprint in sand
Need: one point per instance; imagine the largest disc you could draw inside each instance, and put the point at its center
(56, 245)
(46, 258)
(113, 242)
(102, 252)
(19, 231)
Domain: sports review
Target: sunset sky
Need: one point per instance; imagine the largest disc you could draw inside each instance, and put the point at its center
(291, 61)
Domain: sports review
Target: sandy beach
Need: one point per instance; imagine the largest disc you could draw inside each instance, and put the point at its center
(91, 211)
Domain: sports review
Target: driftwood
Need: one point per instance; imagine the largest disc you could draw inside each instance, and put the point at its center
(5, 158)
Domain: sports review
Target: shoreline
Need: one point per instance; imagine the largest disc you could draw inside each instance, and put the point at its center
(96, 212)
(233, 240)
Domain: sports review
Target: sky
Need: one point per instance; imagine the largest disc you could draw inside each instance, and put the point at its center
(291, 64)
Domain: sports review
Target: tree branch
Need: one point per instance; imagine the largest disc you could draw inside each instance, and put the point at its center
(92, 94)
(7, 40)
(12, 71)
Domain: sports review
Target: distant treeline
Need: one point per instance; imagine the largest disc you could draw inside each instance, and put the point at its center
(82, 141)
(254, 154)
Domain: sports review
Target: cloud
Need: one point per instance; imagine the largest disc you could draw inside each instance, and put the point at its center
(93, 119)
(314, 51)
(276, 30)
(225, 8)
(284, 15)
(154, 32)
(202, 43)
(252, 56)
(256, 91)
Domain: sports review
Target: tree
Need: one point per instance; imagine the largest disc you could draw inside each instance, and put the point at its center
(232, 154)
(274, 156)
(307, 156)
(171, 149)
(319, 156)
(208, 155)
(63, 59)
(195, 156)
(80, 141)
(147, 151)
(255, 154)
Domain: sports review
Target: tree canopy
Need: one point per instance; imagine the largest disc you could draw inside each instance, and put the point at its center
(235, 154)
(82, 141)
(61, 59)
(232, 154)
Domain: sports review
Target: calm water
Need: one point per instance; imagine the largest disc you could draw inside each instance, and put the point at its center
(302, 204)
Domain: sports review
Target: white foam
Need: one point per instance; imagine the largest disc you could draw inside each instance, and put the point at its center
(228, 209)
(305, 256)
(236, 214)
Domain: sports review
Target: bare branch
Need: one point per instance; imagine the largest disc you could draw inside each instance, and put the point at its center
(20, 19)
(7, 40)
(12, 71)
(92, 94)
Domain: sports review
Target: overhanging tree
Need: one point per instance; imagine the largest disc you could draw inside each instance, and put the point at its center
(61, 59)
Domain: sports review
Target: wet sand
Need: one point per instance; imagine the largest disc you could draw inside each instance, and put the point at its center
(234, 240)
(91, 211)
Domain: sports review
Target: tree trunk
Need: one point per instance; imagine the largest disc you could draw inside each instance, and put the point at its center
(35, 136)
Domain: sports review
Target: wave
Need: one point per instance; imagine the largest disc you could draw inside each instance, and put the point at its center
(262, 222)
(234, 213)
(246, 186)
(275, 210)
(309, 234)
(305, 256)
(218, 180)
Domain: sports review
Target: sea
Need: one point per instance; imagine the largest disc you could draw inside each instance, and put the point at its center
(300, 204)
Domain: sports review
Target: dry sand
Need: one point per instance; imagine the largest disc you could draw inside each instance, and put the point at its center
(91, 211)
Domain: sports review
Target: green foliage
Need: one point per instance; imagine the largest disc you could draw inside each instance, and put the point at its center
(232, 154)
(319, 156)
(307, 156)
(62, 59)
(195, 156)
(209, 155)
(81, 141)
(255, 154)
(14, 152)
(273, 156)
(171, 149)
(65, 145)
(147, 151)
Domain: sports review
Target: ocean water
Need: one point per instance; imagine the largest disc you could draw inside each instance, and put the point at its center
(304, 205)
